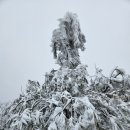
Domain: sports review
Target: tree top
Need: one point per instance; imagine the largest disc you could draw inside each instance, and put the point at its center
(66, 40)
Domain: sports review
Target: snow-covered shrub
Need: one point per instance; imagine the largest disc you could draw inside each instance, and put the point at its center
(99, 82)
(70, 99)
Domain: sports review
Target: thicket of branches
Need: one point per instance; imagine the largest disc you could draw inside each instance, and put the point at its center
(71, 99)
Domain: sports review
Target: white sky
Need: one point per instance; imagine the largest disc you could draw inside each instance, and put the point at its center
(25, 36)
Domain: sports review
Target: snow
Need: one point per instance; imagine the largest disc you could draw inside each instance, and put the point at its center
(71, 99)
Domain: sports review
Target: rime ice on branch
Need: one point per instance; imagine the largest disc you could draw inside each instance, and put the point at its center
(70, 99)
(66, 41)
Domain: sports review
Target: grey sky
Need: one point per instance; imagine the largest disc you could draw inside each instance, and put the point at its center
(25, 35)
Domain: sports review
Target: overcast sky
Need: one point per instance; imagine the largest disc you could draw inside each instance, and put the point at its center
(25, 36)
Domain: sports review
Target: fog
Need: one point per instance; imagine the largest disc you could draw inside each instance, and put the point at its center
(25, 36)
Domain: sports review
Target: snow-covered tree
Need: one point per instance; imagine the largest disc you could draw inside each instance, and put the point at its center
(71, 99)
(67, 39)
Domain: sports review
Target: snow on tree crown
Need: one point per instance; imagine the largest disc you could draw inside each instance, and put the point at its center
(66, 41)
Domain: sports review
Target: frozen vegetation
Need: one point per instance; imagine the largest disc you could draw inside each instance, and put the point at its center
(71, 99)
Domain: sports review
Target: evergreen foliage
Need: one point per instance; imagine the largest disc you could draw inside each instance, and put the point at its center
(71, 99)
